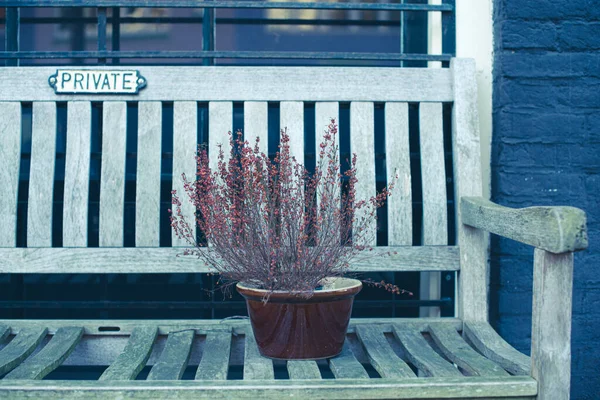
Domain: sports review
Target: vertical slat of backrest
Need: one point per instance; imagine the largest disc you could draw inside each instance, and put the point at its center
(41, 175)
(433, 178)
(256, 124)
(324, 113)
(220, 123)
(185, 141)
(112, 179)
(397, 159)
(466, 154)
(291, 117)
(362, 143)
(77, 174)
(10, 159)
(147, 198)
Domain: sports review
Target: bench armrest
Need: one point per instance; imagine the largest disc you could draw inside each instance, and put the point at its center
(556, 232)
(554, 229)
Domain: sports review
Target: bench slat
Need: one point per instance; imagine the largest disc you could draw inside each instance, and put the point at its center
(174, 358)
(112, 182)
(20, 347)
(156, 260)
(346, 366)
(185, 140)
(433, 178)
(147, 198)
(4, 332)
(77, 173)
(398, 162)
(303, 369)
(255, 365)
(421, 354)
(380, 353)
(490, 344)
(193, 83)
(362, 143)
(133, 358)
(41, 175)
(220, 123)
(215, 358)
(51, 356)
(324, 112)
(514, 388)
(456, 349)
(10, 155)
(256, 124)
(291, 116)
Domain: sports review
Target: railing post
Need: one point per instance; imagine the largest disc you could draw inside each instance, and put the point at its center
(551, 325)
(208, 34)
(12, 33)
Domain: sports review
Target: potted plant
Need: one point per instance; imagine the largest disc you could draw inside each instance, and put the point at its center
(286, 237)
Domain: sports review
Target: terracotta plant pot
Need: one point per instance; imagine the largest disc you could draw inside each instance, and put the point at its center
(291, 327)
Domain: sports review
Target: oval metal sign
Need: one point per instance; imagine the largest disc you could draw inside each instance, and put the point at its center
(88, 81)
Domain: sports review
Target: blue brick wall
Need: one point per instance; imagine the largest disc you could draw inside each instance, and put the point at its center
(546, 151)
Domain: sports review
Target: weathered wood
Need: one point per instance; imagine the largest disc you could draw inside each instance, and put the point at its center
(397, 160)
(256, 118)
(459, 352)
(41, 175)
(174, 358)
(185, 140)
(346, 366)
(21, 347)
(77, 174)
(473, 279)
(50, 357)
(157, 260)
(214, 364)
(112, 181)
(362, 143)
(554, 229)
(10, 157)
(468, 388)
(291, 118)
(324, 113)
(490, 344)
(133, 358)
(256, 367)
(421, 355)
(147, 189)
(435, 212)
(303, 369)
(252, 83)
(380, 353)
(4, 332)
(551, 323)
(204, 326)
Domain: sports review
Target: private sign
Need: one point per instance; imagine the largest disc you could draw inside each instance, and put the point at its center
(82, 81)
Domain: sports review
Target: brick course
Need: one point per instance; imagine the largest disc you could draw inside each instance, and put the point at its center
(546, 151)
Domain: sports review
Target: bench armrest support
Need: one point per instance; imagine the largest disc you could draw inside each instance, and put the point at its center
(554, 229)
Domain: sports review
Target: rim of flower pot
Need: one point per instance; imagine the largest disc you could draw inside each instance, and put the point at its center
(335, 288)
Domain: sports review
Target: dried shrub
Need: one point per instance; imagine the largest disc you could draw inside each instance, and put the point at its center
(272, 224)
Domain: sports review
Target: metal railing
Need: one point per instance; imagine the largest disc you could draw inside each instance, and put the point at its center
(13, 53)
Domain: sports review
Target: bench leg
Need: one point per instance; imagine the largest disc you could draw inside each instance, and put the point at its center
(551, 325)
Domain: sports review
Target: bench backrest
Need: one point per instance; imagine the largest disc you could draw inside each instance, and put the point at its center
(395, 89)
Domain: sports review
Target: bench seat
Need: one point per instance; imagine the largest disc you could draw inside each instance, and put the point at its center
(382, 358)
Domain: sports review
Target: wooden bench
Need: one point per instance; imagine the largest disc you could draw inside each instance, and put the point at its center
(424, 358)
